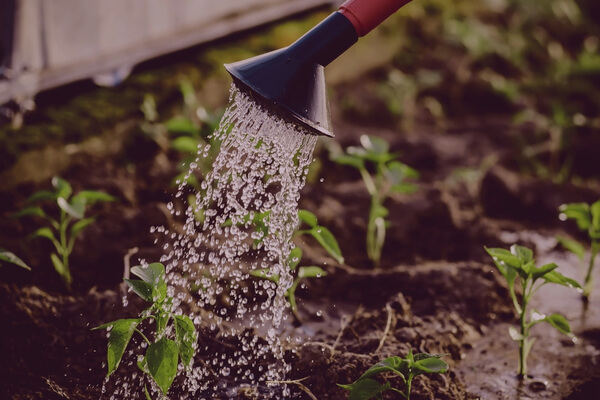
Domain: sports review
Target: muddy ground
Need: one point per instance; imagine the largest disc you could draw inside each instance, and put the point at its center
(436, 290)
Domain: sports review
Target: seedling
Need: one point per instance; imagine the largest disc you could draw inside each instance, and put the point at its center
(64, 230)
(365, 387)
(175, 338)
(389, 177)
(9, 257)
(518, 264)
(322, 235)
(588, 220)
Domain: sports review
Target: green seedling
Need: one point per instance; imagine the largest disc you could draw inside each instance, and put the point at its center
(518, 265)
(588, 220)
(9, 257)
(389, 176)
(175, 337)
(64, 230)
(365, 387)
(322, 235)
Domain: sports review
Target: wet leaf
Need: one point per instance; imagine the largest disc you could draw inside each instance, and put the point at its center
(391, 364)
(308, 218)
(162, 358)
(328, 242)
(185, 337)
(311, 272)
(557, 277)
(543, 270)
(143, 289)
(350, 160)
(44, 233)
(515, 334)
(523, 253)
(580, 212)
(154, 275)
(29, 211)
(118, 339)
(295, 257)
(504, 258)
(560, 323)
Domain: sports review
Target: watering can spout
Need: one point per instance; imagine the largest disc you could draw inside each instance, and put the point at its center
(291, 81)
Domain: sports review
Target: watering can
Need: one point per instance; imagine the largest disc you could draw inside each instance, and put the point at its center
(291, 81)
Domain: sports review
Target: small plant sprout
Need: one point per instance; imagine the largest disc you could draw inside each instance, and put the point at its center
(9, 257)
(70, 222)
(587, 218)
(518, 264)
(323, 236)
(175, 338)
(389, 176)
(365, 387)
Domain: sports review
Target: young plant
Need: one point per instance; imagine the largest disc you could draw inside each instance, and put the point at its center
(389, 176)
(64, 230)
(323, 236)
(518, 265)
(588, 220)
(365, 387)
(9, 257)
(175, 337)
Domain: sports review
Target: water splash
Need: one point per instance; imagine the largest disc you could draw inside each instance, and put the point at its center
(241, 220)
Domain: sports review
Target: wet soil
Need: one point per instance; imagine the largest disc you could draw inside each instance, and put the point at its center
(435, 291)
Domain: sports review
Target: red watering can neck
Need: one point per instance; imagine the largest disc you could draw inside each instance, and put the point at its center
(365, 15)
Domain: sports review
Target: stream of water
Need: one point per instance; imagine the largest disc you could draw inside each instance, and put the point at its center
(241, 220)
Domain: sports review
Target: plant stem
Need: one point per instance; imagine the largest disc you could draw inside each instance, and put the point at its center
(523, 324)
(408, 385)
(64, 223)
(588, 283)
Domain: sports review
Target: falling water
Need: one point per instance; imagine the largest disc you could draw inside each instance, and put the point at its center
(241, 220)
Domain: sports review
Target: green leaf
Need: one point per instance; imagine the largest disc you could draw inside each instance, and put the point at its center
(295, 257)
(524, 254)
(308, 218)
(41, 196)
(515, 334)
(153, 274)
(374, 144)
(560, 323)
(185, 337)
(162, 362)
(44, 232)
(350, 160)
(580, 212)
(92, 196)
(504, 258)
(62, 187)
(399, 172)
(118, 339)
(180, 124)
(264, 273)
(557, 277)
(595, 211)
(391, 364)
(543, 270)
(81, 225)
(58, 265)
(365, 389)
(75, 210)
(431, 365)
(527, 345)
(572, 245)
(29, 211)
(185, 144)
(7, 256)
(143, 289)
(311, 272)
(328, 242)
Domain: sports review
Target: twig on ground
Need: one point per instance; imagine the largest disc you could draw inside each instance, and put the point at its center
(297, 382)
(388, 326)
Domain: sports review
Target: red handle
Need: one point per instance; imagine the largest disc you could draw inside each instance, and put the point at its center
(367, 14)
